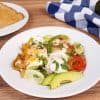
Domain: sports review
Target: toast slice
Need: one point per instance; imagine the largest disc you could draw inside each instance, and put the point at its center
(9, 16)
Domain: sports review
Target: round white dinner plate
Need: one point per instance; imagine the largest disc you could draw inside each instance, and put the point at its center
(16, 26)
(10, 50)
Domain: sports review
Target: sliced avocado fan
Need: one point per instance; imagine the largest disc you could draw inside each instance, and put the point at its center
(65, 77)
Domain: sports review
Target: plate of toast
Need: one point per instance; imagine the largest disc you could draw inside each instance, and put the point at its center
(12, 18)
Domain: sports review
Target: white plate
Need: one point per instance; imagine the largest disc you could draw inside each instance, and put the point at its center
(12, 77)
(16, 26)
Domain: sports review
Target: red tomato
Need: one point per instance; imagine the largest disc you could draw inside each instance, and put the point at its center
(77, 62)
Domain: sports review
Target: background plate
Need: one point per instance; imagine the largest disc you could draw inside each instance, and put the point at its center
(16, 26)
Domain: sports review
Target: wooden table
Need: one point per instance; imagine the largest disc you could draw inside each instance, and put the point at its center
(39, 17)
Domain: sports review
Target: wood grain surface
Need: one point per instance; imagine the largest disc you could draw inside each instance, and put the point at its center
(39, 17)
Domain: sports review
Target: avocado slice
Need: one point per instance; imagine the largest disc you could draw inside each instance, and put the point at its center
(65, 77)
(48, 79)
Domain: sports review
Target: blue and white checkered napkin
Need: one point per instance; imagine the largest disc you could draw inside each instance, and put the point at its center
(78, 13)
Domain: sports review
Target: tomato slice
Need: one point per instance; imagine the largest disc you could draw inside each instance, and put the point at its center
(77, 62)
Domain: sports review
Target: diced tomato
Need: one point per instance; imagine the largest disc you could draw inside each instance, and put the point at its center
(70, 46)
(77, 62)
(70, 49)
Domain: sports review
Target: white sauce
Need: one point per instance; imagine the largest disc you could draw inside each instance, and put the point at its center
(58, 56)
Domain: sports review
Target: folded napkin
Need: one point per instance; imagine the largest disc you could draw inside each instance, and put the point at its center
(77, 13)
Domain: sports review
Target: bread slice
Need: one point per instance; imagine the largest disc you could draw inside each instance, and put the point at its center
(9, 16)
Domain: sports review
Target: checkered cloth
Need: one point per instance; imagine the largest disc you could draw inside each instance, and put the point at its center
(77, 13)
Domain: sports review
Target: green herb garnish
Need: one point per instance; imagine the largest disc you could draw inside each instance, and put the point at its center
(36, 76)
(64, 65)
(57, 64)
(44, 59)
